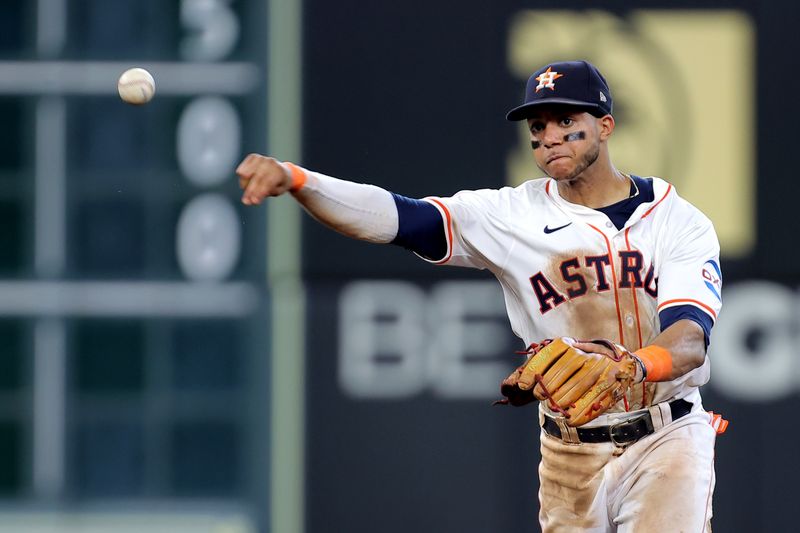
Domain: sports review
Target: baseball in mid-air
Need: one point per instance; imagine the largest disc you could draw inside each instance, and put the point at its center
(136, 86)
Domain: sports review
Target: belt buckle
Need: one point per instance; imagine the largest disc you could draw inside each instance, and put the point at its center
(630, 422)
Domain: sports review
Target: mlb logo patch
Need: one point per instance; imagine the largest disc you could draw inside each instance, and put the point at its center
(712, 276)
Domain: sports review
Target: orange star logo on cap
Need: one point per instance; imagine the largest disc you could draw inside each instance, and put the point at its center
(546, 79)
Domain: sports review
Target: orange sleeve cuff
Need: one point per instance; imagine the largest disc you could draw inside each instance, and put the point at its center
(657, 361)
(298, 177)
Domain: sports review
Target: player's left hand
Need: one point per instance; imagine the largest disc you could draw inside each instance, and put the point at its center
(579, 379)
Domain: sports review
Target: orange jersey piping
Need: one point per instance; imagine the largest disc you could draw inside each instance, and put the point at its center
(638, 319)
(449, 224)
(633, 291)
(669, 188)
(688, 300)
(614, 280)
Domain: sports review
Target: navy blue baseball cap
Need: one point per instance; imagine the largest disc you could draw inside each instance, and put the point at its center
(577, 83)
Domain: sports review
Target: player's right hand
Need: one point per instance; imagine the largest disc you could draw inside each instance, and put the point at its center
(260, 177)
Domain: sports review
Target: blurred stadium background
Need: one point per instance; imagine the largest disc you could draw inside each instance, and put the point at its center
(173, 362)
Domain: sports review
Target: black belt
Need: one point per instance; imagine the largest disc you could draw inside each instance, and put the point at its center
(623, 433)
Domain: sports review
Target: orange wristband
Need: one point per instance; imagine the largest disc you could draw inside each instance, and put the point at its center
(657, 362)
(298, 176)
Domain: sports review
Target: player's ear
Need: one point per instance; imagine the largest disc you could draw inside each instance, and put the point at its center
(606, 126)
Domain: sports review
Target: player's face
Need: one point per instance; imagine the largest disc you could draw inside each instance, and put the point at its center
(565, 141)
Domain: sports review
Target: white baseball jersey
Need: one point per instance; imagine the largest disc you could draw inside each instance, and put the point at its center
(566, 270)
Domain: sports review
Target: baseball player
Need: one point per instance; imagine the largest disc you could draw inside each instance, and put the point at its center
(617, 272)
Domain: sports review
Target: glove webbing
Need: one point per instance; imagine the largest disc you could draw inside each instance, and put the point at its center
(532, 349)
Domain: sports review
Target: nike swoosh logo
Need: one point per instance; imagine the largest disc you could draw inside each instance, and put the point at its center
(547, 229)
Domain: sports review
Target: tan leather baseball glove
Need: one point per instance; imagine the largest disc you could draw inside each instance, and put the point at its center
(578, 384)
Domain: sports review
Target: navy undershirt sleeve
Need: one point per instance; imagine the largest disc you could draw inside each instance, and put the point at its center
(420, 228)
(670, 315)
